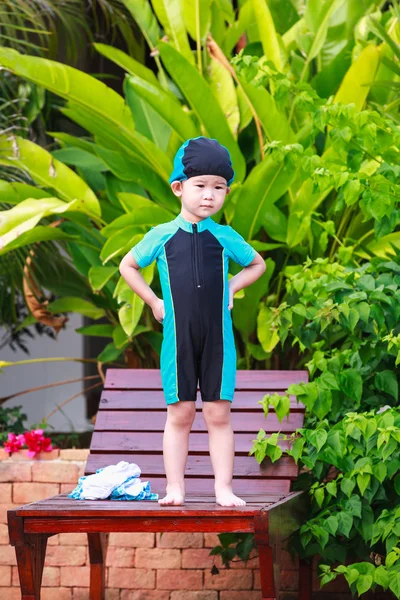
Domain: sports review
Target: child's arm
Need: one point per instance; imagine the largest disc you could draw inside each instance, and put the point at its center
(129, 270)
(246, 276)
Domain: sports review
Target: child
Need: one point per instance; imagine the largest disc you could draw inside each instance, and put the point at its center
(192, 253)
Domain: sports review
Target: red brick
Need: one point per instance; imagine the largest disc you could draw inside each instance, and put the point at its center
(287, 563)
(83, 593)
(23, 455)
(61, 593)
(197, 558)
(75, 576)
(54, 540)
(228, 579)
(73, 539)
(3, 454)
(66, 488)
(5, 492)
(51, 576)
(7, 555)
(3, 511)
(289, 581)
(173, 579)
(66, 555)
(153, 558)
(55, 472)
(132, 540)
(144, 595)
(120, 557)
(211, 540)
(24, 493)
(11, 471)
(76, 454)
(4, 537)
(204, 595)
(256, 579)
(132, 578)
(11, 593)
(237, 563)
(179, 540)
(5, 576)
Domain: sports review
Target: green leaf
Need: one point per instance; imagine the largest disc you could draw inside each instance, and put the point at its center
(386, 381)
(96, 330)
(345, 523)
(48, 172)
(350, 382)
(201, 98)
(110, 353)
(268, 337)
(364, 583)
(268, 35)
(98, 276)
(347, 486)
(126, 62)
(166, 105)
(78, 305)
(197, 16)
(356, 83)
(38, 234)
(170, 15)
(318, 438)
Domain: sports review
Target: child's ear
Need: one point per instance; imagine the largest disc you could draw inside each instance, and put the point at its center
(228, 189)
(176, 187)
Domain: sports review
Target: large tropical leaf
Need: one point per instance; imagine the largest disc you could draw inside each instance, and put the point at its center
(170, 15)
(126, 62)
(48, 172)
(266, 183)
(203, 102)
(274, 123)
(90, 102)
(166, 105)
(197, 18)
(14, 192)
(268, 35)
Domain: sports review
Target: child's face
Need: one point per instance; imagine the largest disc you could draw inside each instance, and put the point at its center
(202, 195)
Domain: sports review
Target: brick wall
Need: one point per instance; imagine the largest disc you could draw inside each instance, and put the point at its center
(171, 566)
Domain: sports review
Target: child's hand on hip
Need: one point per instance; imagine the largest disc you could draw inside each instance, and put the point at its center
(158, 310)
(231, 294)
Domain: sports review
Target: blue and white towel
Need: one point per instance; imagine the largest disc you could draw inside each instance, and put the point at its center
(115, 482)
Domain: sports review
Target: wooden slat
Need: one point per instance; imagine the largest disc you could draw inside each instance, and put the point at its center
(141, 420)
(154, 400)
(127, 379)
(152, 442)
(199, 465)
(243, 523)
(63, 506)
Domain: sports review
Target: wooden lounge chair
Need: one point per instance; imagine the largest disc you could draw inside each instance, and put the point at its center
(129, 426)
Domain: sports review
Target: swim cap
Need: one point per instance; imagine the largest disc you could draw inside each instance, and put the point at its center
(202, 156)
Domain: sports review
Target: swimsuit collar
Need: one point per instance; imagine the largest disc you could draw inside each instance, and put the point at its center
(188, 225)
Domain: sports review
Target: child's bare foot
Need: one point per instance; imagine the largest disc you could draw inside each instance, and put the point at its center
(225, 497)
(175, 496)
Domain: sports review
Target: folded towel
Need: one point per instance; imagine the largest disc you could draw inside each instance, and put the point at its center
(119, 482)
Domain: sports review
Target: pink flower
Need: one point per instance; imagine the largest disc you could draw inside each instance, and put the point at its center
(34, 440)
(14, 442)
(37, 442)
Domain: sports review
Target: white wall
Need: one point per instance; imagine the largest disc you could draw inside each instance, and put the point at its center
(39, 404)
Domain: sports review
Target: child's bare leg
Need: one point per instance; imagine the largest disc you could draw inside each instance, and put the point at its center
(217, 416)
(180, 416)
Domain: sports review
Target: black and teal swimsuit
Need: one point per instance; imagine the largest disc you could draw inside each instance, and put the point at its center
(198, 342)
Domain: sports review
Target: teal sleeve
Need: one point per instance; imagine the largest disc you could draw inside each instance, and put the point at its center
(145, 251)
(240, 250)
